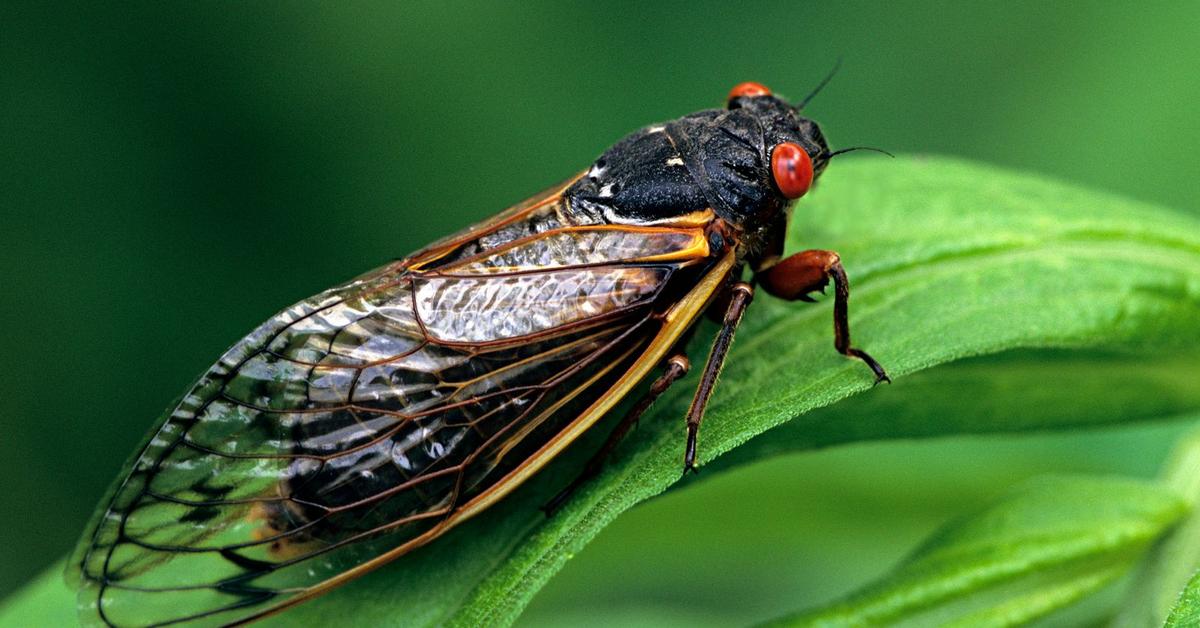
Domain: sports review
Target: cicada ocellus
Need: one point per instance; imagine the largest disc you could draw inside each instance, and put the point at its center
(359, 424)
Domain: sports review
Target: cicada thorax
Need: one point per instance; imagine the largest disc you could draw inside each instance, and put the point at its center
(745, 164)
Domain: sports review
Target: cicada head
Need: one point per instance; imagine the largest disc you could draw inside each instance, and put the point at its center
(746, 162)
(764, 155)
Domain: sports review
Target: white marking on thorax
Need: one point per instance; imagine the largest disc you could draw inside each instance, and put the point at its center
(675, 161)
(596, 171)
(606, 191)
(656, 129)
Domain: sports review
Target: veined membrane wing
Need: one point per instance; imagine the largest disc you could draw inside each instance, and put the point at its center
(366, 420)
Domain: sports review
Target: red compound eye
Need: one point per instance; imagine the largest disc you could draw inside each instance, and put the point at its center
(749, 88)
(792, 168)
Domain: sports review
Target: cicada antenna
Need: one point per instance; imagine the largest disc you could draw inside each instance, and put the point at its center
(837, 65)
(854, 148)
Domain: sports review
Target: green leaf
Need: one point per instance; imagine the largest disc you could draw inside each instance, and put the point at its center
(1045, 545)
(1017, 391)
(948, 261)
(1173, 562)
(1186, 613)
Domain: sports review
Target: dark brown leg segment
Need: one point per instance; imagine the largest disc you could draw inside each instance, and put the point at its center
(677, 367)
(809, 271)
(741, 295)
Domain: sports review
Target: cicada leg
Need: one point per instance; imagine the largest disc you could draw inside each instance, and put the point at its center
(809, 271)
(677, 367)
(741, 293)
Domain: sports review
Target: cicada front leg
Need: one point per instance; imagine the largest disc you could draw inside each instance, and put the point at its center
(810, 271)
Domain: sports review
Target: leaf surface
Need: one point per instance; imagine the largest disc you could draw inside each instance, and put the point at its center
(1043, 546)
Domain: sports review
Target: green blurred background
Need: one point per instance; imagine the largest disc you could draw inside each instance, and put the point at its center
(174, 174)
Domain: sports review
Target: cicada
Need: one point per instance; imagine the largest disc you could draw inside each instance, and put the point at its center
(368, 420)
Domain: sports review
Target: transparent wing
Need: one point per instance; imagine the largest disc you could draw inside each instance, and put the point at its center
(354, 424)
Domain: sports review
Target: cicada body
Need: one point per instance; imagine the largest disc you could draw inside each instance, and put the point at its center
(359, 424)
